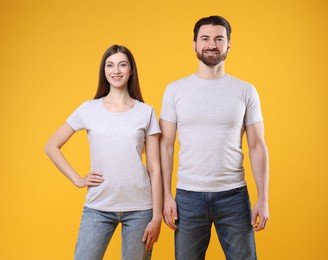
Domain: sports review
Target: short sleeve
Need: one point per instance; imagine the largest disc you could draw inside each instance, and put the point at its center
(253, 107)
(75, 120)
(168, 111)
(153, 127)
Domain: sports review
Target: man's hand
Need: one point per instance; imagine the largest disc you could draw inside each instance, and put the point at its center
(170, 212)
(260, 216)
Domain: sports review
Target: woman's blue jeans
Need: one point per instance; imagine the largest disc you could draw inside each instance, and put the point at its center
(231, 214)
(97, 228)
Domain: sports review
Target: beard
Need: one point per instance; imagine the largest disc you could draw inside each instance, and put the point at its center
(211, 61)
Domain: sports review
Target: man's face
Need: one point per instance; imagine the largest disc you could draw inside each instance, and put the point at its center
(212, 45)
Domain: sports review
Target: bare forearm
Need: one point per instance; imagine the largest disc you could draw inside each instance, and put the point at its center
(61, 163)
(167, 167)
(52, 149)
(260, 166)
(157, 194)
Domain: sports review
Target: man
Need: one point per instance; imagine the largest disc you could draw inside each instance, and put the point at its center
(211, 110)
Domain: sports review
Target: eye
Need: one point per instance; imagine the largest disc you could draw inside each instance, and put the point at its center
(123, 65)
(219, 39)
(109, 65)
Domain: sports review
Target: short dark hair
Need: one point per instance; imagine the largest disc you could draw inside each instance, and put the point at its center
(133, 83)
(213, 20)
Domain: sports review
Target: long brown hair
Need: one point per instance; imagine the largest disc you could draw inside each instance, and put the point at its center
(133, 83)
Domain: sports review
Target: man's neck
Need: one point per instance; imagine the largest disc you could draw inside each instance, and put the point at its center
(207, 72)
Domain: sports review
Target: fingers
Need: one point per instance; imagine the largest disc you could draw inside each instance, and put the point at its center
(94, 179)
(149, 238)
(170, 219)
(254, 219)
(145, 239)
(174, 214)
(259, 223)
(170, 214)
(149, 243)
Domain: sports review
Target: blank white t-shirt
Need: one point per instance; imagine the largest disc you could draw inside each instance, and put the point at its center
(211, 116)
(116, 144)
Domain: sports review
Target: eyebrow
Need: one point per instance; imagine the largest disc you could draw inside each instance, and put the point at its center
(207, 36)
(118, 62)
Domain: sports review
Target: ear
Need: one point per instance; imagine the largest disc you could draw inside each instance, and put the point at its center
(229, 44)
(194, 45)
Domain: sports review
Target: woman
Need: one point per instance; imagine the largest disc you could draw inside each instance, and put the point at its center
(120, 189)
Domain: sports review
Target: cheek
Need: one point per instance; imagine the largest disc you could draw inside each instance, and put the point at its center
(107, 75)
(128, 72)
(107, 70)
(199, 48)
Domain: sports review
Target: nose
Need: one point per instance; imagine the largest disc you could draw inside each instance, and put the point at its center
(116, 69)
(212, 44)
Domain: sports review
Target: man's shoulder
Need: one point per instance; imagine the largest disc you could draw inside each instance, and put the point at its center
(182, 81)
(239, 84)
(238, 81)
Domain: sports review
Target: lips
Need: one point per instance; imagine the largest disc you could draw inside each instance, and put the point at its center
(117, 78)
(211, 52)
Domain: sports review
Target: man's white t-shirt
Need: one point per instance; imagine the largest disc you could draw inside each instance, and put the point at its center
(211, 116)
(116, 144)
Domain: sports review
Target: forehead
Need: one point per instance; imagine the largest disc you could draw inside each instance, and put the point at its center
(212, 30)
(117, 57)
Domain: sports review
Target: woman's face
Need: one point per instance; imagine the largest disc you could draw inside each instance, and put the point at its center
(117, 70)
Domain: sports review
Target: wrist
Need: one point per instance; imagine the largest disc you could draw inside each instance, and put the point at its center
(157, 218)
(263, 200)
(77, 181)
(167, 193)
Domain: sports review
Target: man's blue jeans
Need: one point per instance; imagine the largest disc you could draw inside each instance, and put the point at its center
(97, 228)
(231, 214)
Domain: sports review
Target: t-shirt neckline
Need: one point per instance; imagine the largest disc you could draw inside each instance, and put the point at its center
(210, 80)
(136, 102)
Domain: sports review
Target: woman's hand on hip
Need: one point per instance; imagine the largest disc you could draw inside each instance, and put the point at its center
(93, 179)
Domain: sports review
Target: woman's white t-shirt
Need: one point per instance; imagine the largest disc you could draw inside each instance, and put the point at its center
(116, 144)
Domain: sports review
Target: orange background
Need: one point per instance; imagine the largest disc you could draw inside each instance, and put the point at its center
(50, 56)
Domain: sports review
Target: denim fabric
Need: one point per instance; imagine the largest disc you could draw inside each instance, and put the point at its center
(97, 228)
(231, 214)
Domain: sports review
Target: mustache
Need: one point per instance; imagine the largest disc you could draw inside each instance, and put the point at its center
(212, 49)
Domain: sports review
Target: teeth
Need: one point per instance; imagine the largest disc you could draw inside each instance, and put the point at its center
(211, 52)
(116, 78)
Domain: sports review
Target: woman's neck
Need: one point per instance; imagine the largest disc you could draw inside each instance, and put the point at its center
(118, 97)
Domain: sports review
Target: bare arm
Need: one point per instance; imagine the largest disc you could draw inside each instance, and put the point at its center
(52, 149)
(167, 152)
(152, 231)
(258, 153)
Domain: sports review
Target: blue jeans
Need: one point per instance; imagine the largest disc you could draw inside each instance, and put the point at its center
(97, 228)
(231, 214)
